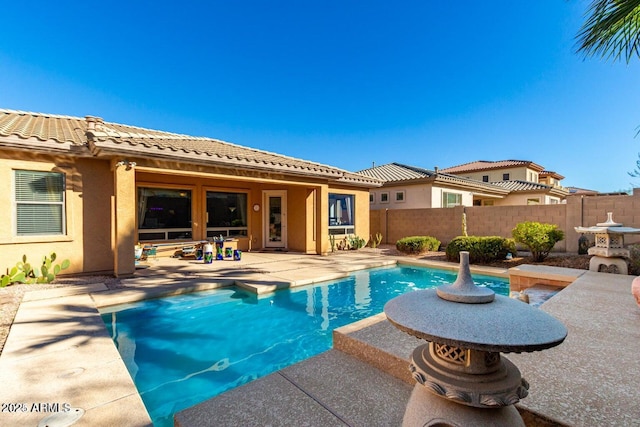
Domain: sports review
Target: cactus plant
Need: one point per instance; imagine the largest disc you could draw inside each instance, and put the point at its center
(374, 242)
(23, 272)
(332, 241)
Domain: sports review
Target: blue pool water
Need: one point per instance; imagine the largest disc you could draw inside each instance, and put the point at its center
(186, 349)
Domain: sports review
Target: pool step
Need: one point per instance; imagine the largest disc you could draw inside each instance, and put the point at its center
(378, 343)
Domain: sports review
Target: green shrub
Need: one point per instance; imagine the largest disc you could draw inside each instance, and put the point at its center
(538, 237)
(417, 244)
(480, 248)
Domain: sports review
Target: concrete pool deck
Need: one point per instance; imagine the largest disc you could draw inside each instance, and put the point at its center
(59, 353)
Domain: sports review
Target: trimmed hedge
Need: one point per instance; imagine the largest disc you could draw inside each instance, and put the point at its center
(417, 244)
(481, 249)
(538, 237)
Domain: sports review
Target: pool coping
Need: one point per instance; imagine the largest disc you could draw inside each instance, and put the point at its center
(58, 344)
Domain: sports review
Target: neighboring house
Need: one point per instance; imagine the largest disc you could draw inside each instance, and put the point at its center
(528, 183)
(408, 187)
(576, 191)
(89, 190)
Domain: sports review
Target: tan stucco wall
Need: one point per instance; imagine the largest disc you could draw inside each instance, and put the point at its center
(446, 223)
(89, 186)
(416, 196)
(124, 219)
(437, 192)
(521, 199)
(496, 175)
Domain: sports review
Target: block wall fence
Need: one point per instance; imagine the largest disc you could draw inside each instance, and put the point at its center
(446, 223)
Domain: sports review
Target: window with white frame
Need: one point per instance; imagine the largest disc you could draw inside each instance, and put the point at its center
(39, 203)
(400, 196)
(341, 213)
(450, 200)
(372, 198)
(384, 197)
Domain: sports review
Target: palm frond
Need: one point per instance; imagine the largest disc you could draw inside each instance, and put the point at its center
(612, 30)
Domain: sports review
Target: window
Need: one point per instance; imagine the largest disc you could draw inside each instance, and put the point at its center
(40, 203)
(535, 201)
(400, 196)
(341, 213)
(226, 214)
(384, 197)
(450, 200)
(505, 177)
(485, 178)
(372, 198)
(164, 214)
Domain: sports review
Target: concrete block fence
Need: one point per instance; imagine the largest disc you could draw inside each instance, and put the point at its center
(446, 223)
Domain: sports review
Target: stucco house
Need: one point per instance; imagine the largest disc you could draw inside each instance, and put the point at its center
(474, 184)
(528, 182)
(89, 190)
(409, 187)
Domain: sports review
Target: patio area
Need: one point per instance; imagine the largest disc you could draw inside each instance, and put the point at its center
(59, 355)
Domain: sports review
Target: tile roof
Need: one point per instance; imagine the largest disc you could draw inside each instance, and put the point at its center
(61, 129)
(393, 172)
(518, 185)
(397, 172)
(482, 165)
(111, 138)
(552, 174)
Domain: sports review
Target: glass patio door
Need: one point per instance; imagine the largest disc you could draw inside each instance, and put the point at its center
(275, 220)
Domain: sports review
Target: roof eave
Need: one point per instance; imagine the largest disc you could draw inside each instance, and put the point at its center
(109, 149)
(42, 146)
(468, 185)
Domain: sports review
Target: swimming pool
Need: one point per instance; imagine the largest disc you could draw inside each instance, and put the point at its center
(186, 349)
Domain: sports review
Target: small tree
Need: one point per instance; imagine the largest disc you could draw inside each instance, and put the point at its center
(539, 238)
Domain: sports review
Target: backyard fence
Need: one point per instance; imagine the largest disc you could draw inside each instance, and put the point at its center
(446, 223)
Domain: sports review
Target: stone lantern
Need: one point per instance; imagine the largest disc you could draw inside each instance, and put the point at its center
(462, 379)
(609, 244)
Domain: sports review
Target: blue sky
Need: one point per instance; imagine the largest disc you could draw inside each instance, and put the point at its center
(345, 83)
